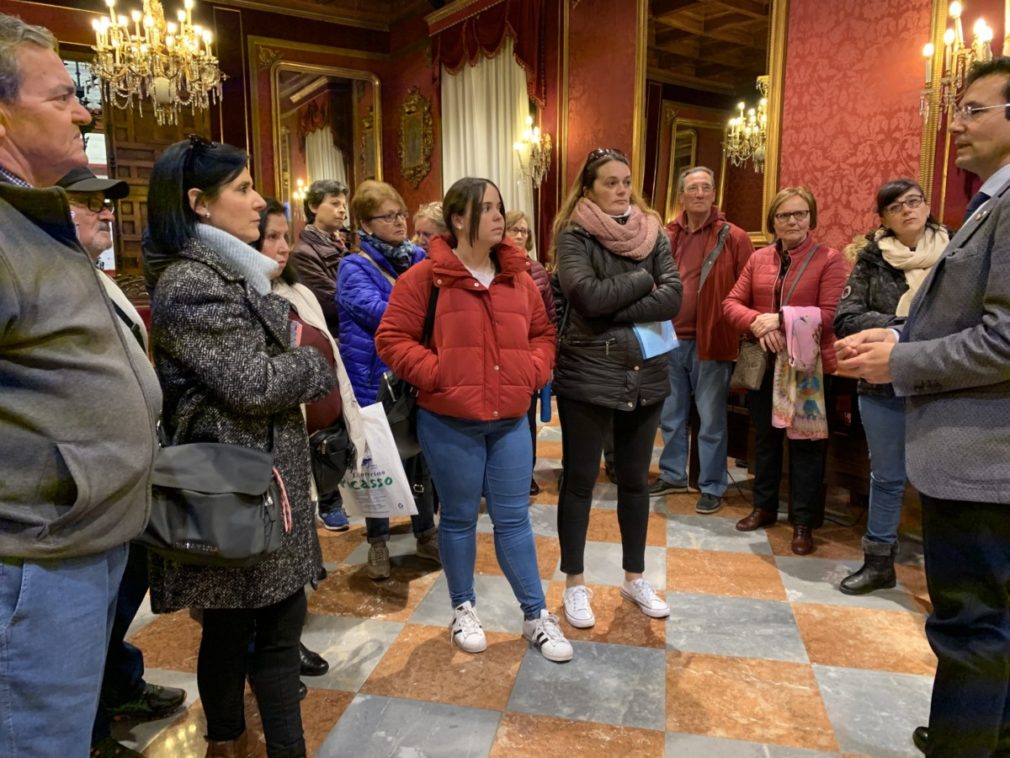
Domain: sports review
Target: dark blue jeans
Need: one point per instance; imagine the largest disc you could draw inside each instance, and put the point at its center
(124, 665)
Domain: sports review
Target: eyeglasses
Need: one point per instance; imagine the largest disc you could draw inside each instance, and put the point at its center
(785, 217)
(517, 230)
(390, 218)
(969, 112)
(911, 203)
(699, 189)
(94, 203)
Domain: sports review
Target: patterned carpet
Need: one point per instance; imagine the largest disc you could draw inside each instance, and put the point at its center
(762, 656)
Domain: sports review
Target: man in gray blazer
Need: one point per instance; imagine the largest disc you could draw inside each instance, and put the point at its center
(952, 363)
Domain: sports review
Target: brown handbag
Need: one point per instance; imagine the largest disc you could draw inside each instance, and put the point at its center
(751, 364)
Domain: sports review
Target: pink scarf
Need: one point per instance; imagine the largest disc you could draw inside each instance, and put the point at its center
(634, 239)
(798, 386)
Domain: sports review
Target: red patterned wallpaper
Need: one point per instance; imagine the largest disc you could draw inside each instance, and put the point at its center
(850, 116)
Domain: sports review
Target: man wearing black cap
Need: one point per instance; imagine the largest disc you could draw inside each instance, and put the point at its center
(124, 691)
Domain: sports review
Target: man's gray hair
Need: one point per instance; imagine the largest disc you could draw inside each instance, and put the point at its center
(13, 34)
(693, 170)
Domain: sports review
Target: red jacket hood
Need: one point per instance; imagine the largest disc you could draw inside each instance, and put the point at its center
(511, 260)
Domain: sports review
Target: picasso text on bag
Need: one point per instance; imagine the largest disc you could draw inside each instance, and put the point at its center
(373, 483)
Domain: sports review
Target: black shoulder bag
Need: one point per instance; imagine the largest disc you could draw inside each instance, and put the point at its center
(399, 398)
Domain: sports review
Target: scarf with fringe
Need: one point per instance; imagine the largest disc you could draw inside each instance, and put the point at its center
(798, 386)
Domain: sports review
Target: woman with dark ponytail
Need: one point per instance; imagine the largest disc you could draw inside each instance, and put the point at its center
(233, 370)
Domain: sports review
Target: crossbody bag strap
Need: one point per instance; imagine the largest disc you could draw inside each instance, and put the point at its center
(799, 275)
(713, 256)
(370, 259)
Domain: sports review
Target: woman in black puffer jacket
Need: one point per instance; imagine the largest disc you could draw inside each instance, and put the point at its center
(891, 263)
(615, 271)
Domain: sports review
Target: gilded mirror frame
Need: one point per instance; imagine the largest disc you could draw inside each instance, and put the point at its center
(367, 126)
(777, 41)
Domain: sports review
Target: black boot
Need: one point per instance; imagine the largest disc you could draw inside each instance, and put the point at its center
(877, 572)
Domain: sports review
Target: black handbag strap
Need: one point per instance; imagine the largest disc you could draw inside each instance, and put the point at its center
(713, 256)
(429, 317)
(799, 275)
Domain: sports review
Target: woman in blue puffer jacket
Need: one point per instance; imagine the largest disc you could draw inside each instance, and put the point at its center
(364, 283)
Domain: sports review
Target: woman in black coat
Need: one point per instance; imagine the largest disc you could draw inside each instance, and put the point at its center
(232, 371)
(615, 271)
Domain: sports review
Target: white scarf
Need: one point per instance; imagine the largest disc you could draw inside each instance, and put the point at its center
(915, 263)
(246, 261)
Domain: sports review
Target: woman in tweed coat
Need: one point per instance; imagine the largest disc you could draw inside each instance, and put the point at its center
(232, 372)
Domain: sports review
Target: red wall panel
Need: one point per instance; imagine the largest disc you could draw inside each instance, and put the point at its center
(850, 116)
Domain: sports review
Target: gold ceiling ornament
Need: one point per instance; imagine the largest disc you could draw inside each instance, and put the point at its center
(747, 132)
(170, 64)
(534, 153)
(416, 137)
(945, 76)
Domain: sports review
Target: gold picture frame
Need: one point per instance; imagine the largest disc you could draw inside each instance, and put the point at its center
(416, 137)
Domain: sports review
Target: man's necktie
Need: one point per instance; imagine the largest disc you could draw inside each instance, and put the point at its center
(974, 204)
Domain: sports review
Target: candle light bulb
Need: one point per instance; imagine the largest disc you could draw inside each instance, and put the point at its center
(181, 15)
(948, 37)
(978, 29)
(188, 4)
(135, 15)
(96, 24)
(170, 27)
(123, 20)
(955, 9)
(927, 50)
(148, 22)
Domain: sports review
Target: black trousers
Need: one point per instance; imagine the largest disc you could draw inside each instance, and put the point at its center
(272, 667)
(806, 462)
(967, 550)
(583, 430)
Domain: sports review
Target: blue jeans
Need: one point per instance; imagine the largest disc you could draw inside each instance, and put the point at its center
(124, 664)
(708, 383)
(884, 425)
(468, 458)
(55, 621)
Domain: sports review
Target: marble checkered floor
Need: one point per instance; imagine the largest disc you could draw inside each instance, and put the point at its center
(762, 656)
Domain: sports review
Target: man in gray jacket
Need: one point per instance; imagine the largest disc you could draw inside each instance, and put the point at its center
(78, 402)
(952, 363)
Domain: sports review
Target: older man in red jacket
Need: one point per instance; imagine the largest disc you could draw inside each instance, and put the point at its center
(710, 253)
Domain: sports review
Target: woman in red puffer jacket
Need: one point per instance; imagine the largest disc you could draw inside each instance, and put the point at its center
(492, 345)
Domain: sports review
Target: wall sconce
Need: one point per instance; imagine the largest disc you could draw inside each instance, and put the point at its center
(943, 92)
(534, 153)
(298, 198)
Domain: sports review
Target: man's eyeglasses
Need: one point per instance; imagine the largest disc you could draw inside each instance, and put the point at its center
(785, 217)
(699, 189)
(911, 203)
(94, 203)
(390, 218)
(969, 112)
(517, 230)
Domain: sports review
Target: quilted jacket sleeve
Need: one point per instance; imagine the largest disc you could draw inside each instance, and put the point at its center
(206, 325)
(737, 304)
(398, 339)
(663, 303)
(588, 293)
(543, 334)
(360, 293)
(854, 311)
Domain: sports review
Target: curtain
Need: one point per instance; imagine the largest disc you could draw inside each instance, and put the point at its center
(323, 159)
(480, 33)
(484, 110)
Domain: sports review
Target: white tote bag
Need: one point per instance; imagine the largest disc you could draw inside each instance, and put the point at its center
(379, 488)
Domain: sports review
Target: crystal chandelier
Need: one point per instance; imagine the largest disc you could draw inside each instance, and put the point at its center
(746, 132)
(943, 91)
(534, 153)
(171, 65)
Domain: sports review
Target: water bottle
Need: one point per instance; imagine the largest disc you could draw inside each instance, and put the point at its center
(545, 403)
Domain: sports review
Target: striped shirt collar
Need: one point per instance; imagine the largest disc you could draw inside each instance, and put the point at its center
(10, 178)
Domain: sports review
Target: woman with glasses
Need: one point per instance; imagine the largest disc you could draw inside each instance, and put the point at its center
(796, 271)
(890, 264)
(233, 372)
(519, 230)
(615, 272)
(364, 283)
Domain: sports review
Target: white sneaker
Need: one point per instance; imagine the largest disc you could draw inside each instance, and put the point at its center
(578, 612)
(545, 635)
(641, 592)
(466, 630)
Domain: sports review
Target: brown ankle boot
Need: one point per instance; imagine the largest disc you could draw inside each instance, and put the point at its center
(803, 540)
(236, 748)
